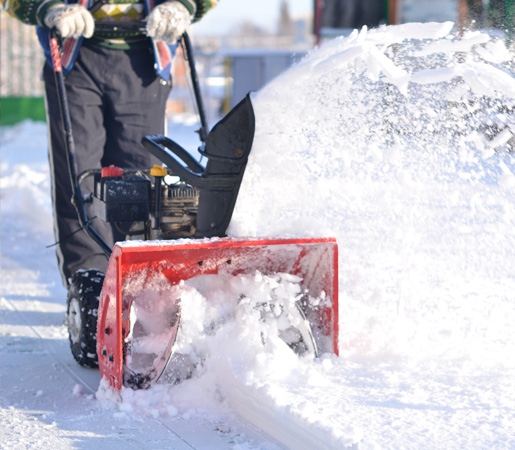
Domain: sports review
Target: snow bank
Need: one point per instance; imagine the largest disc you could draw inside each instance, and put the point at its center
(396, 141)
(26, 183)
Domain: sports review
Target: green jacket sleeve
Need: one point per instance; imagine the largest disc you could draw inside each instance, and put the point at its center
(198, 8)
(30, 12)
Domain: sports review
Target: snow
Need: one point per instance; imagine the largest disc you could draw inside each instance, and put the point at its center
(396, 141)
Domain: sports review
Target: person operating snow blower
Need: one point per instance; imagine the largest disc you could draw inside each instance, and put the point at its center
(105, 108)
(117, 83)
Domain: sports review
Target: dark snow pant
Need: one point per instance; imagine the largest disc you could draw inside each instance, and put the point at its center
(115, 98)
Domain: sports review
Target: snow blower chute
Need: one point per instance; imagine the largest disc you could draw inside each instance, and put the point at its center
(175, 216)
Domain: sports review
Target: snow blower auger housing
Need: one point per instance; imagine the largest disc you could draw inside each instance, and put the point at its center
(141, 271)
(175, 231)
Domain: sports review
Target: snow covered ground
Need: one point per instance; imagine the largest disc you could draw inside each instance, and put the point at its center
(397, 142)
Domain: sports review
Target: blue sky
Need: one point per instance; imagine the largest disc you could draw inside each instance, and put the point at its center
(230, 13)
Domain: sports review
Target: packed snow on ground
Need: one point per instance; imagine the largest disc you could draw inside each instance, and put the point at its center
(399, 143)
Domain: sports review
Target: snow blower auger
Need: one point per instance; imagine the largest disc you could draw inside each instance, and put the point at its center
(175, 231)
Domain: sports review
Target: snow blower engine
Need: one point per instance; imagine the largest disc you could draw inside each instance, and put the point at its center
(163, 203)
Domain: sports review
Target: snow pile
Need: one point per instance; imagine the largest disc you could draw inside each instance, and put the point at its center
(25, 200)
(25, 184)
(398, 142)
(399, 104)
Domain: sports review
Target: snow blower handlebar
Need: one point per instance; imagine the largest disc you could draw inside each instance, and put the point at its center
(77, 196)
(188, 53)
(191, 172)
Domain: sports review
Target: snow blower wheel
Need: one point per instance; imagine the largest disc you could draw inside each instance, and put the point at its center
(81, 315)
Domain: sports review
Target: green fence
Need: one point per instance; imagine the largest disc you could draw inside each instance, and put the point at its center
(21, 62)
(17, 109)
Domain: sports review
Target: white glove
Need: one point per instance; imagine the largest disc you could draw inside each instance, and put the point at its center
(168, 21)
(71, 20)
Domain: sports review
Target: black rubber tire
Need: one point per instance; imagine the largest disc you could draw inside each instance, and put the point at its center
(81, 315)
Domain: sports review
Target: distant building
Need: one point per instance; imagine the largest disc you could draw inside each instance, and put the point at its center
(286, 26)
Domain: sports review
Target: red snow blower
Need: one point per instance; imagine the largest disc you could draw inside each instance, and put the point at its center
(175, 230)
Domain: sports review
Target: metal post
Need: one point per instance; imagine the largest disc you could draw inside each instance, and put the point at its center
(317, 19)
(393, 12)
(462, 16)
